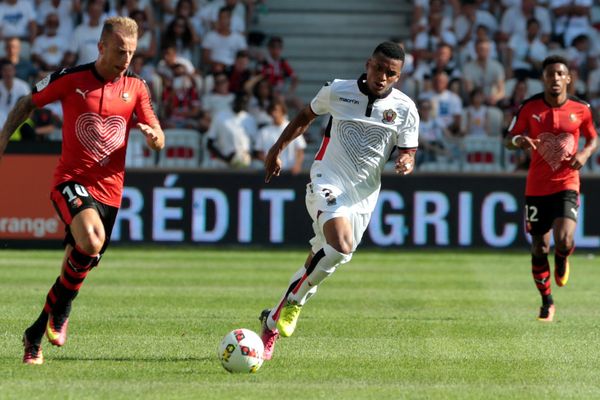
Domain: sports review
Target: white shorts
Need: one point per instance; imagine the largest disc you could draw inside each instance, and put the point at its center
(323, 202)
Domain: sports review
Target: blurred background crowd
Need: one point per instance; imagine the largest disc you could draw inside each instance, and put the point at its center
(224, 88)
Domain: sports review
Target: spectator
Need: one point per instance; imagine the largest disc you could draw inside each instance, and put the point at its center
(240, 73)
(514, 22)
(432, 136)
(582, 55)
(140, 67)
(447, 106)
(42, 124)
(187, 9)
(511, 104)
(426, 42)
(181, 101)
(49, 49)
(293, 155)
(11, 89)
(222, 44)
(128, 7)
(477, 122)
(279, 72)
(485, 73)
(84, 43)
(442, 61)
(17, 19)
(170, 58)
(262, 96)
(106, 11)
(220, 98)
(180, 34)
(423, 8)
(65, 9)
(469, 18)
(146, 36)
(230, 136)
(468, 51)
(526, 53)
(571, 18)
(25, 70)
(209, 15)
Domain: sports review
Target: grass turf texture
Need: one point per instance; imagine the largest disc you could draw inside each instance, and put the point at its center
(389, 325)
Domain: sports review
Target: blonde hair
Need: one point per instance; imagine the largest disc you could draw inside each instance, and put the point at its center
(127, 26)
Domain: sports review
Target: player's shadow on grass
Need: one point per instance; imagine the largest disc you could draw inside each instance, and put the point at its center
(128, 359)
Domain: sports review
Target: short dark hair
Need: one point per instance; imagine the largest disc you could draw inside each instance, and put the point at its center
(275, 40)
(555, 59)
(390, 50)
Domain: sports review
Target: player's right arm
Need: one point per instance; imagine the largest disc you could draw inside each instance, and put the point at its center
(295, 128)
(516, 138)
(16, 116)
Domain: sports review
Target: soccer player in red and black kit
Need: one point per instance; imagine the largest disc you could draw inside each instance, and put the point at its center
(550, 124)
(99, 100)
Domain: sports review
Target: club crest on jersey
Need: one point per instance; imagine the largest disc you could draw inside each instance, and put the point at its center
(126, 98)
(389, 116)
(572, 117)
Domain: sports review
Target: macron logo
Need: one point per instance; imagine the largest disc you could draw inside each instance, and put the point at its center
(81, 92)
(351, 101)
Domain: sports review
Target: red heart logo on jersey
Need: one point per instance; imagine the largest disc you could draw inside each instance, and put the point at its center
(100, 136)
(554, 149)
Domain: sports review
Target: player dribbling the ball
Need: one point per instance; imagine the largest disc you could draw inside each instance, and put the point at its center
(369, 119)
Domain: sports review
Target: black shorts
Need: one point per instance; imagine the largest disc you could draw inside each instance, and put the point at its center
(71, 198)
(541, 211)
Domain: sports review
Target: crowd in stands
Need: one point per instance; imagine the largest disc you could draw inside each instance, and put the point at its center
(469, 65)
(474, 61)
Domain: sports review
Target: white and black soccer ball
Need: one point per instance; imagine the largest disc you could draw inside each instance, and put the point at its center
(241, 350)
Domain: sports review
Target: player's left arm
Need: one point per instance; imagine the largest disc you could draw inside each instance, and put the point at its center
(591, 142)
(149, 124)
(155, 137)
(408, 141)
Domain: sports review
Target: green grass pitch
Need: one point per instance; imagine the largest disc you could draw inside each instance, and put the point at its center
(389, 325)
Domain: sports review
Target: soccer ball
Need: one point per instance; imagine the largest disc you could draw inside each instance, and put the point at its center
(241, 350)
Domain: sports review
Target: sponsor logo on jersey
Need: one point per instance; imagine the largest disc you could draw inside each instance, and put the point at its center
(389, 116)
(536, 117)
(351, 101)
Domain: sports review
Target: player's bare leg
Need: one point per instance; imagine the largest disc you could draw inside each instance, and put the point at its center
(564, 244)
(540, 269)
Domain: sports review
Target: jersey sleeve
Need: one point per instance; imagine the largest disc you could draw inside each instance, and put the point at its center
(50, 89)
(518, 124)
(408, 133)
(143, 108)
(587, 128)
(320, 104)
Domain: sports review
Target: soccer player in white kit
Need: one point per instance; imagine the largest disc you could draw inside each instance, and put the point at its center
(369, 120)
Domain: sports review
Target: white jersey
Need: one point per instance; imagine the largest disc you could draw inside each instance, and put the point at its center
(362, 134)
